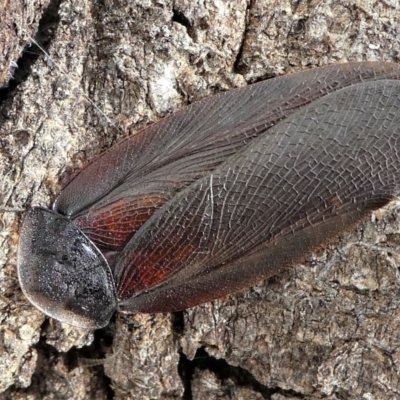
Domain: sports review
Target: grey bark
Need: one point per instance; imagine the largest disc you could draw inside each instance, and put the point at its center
(327, 328)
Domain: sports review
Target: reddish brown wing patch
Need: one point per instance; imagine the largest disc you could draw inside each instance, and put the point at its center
(112, 226)
(148, 273)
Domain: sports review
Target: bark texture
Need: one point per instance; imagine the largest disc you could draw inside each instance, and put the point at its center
(327, 328)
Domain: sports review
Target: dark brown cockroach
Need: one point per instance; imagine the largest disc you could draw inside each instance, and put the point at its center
(217, 196)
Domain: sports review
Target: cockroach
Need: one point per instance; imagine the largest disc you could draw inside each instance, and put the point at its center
(218, 196)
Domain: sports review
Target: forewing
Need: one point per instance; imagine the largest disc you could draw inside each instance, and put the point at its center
(115, 194)
(315, 174)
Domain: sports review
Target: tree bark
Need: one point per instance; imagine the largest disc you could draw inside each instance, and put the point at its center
(327, 328)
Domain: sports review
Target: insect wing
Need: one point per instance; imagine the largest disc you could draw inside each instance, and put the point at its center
(315, 174)
(111, 198)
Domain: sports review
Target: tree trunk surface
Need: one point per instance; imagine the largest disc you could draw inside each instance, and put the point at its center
(328, 328)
